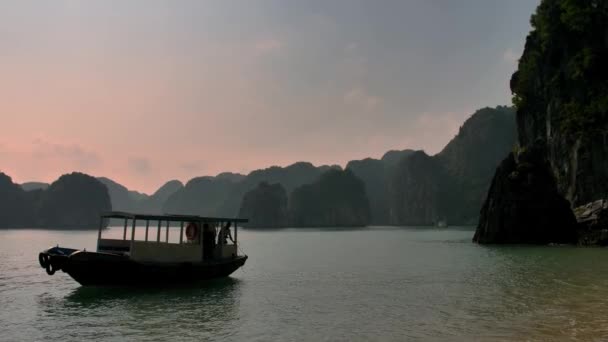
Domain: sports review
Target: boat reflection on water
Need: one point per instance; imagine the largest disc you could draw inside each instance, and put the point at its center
(202, 291)
(204, 309)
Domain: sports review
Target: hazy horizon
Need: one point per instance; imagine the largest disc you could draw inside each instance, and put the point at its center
(146, 92)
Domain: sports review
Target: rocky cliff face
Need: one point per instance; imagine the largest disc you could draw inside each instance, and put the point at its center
(265, 206)
(524, 205)
(122, 198)
(592, 222)
(373, 173)
(451, 185)
(470, 159)
(337, 198)
(127, 200)
(201, 196)
(29, 186)
(416, 189)
(154, 203)
(73, 201)
(561, 93)
(222, 195)
(15, 208)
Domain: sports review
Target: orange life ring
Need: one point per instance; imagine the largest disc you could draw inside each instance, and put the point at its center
(191, 231)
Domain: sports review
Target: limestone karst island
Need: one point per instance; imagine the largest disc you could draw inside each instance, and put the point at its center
(304, 170)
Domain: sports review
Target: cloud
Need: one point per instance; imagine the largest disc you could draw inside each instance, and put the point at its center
(267, 46)
(436, 129)
(73, 154)
(192, 166)
(352, 47)
(140, 165)
(359, 97)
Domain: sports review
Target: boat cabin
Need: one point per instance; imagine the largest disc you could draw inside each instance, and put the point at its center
(151, 238)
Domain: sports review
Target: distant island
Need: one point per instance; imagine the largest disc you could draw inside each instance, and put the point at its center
(561, 162)
(402, 188)
(73, 201)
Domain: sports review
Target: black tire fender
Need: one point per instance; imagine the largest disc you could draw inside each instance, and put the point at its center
(50, 269)
(43, 259)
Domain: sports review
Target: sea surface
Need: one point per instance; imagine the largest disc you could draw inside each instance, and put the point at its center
(371, 284)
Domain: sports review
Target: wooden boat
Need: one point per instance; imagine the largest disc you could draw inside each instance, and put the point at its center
(207, 249)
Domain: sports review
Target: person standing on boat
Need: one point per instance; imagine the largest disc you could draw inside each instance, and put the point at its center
(208, 241)
(225, 235)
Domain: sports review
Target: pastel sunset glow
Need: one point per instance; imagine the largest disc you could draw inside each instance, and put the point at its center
(148, 91)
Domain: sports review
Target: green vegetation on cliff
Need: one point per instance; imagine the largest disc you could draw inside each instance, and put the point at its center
(561, 94)
(563, 68)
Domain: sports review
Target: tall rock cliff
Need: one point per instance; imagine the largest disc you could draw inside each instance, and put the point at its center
(122, 198)
(200, 196)
(452, 184)
(470, 159)
(561, 94)
(265, 206)
(222, 195)
(337, 198)
(525, 206)
(16, 211)
(73, 201)
(154, 203)
(375, 174)
(417, 190)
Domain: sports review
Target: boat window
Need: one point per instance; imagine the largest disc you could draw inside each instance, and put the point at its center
(175, 231)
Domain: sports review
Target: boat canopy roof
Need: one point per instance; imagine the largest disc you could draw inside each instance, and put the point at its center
(170, 217)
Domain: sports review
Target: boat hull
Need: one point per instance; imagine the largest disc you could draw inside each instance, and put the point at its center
(106, 269)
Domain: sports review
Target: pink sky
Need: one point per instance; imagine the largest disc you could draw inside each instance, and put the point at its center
(148, 93)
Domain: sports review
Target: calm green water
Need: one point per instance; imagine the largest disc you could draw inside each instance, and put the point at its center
(380, 284)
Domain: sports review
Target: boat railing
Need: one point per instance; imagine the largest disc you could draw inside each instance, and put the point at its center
(156, 242)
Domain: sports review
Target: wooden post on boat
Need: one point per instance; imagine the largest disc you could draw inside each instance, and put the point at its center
(158, 231)
(167, 233)
(181, 232)
(101, 220)
(147, 227)
(124, 231)
(235, 239)
(133, 229)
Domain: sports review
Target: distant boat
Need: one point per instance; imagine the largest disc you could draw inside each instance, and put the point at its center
(442, 224)
(197, 256)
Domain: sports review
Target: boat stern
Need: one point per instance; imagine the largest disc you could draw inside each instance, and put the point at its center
(54, 258)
